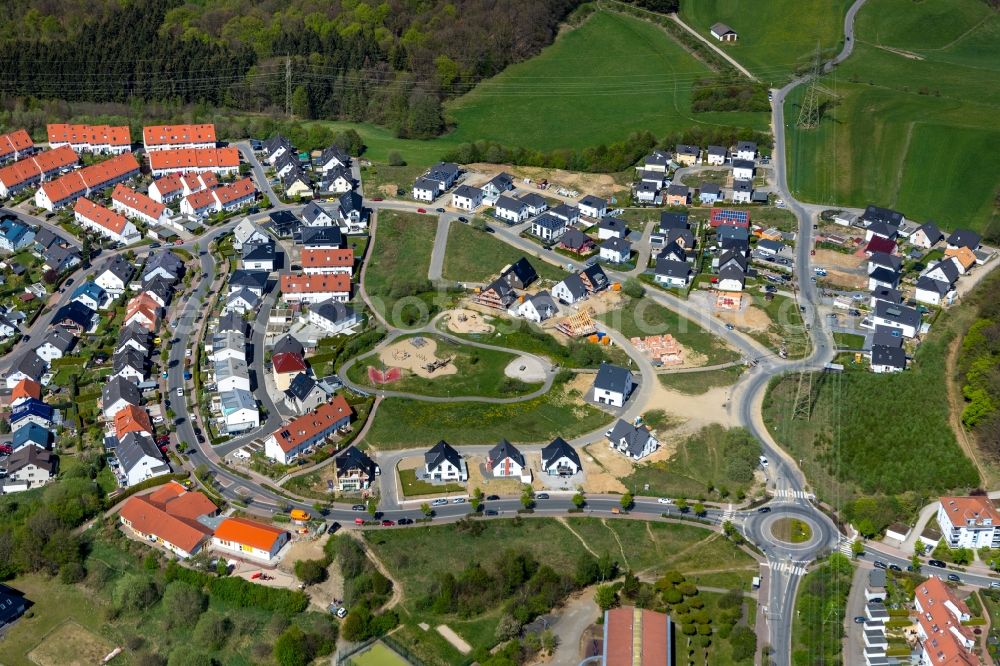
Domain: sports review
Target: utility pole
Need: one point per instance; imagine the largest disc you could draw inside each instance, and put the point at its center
(288, 86)
(809, 111)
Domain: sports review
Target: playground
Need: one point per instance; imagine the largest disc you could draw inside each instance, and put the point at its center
(418, 355)
(467, 322)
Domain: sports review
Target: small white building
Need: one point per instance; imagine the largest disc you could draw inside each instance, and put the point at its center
(466, 197)
(743, 169)
(239, 409)
(593, 207)
(636, 442)
(560, 459)
(444, 463)
(511, 210)
(613, 385)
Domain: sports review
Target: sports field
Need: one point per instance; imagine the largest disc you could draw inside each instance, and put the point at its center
(913, 125)
(377, 655)
(776, 37)
(598, 83)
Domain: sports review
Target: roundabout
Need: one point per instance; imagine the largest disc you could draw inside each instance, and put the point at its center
(790, 530)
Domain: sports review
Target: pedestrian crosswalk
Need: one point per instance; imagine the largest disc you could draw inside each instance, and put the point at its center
(844, 546)
(728, 514)
(791, 568)
(793, 494)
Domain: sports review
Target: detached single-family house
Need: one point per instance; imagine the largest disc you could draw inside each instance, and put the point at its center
(304, 394)
(231, 374)
(498, 294)
(25, 389)
(580, 285)
(505, 460)
(886, 359)
(277, 146)
(333, 158)
(887, 216)
(332, 317)
(745, 150)
(31, 434)
(132, 419)
(246, 232)
(655, 161)
(611, 227)
(672, 273)
(284, 367)
(537, 308)
(536, 203)
(259, 256)
(301, 434)
(443, 463)
(593, 207)
(926, 236)
(466, 197)
(31, 467)
(139, 459)
(709, 194)
(548, 227)
(907, 320)
(520, 274)
(28, 366)
(678, 195)
(314, 215)
(648, 193)
(576, 241)
(117, 394)
(249, 539)
(883, 277)
(76, 317)
(567, 213)
(56, 344)
(425, 189)
(743, 169)
(686, 155)
(92, 295)
(354, 471)
(297, 183)
(716, 155)
(336, 181)
(732, 275)
(613, 385)
(30, 411)
(560, 459)
(497, 185)
(724, 33)
(616, 250)
(742, 191)
(510, 209)
(239, 410)
(351, 213)
(636, 442)
(931, 291)
(964, 238)
(14, 234)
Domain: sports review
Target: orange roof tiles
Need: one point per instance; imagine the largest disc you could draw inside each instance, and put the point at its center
(91, 134)
(195, 158)
(963, 255)
(145, 305)
(632, 630)
(100, 215)
(327, 258)
(305, 427)
(177, 135)
(248, 533)
(26, 388)
(147, 517)
(940, 625)
(15, 141)
(315, 284)
(37, 165)
(201, 199)
(132, 419)
(93, 177)
(137, 202)
(977, 509)
(233, 192)
(166, 492)
(169, 184)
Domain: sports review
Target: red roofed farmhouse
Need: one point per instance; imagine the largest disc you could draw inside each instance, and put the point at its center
(300, 435)
(105, 222)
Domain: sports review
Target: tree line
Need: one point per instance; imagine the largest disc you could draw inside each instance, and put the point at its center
(979, 369)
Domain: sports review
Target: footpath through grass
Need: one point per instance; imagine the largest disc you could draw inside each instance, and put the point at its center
(924, 81)
(777, 37)
(476, 256)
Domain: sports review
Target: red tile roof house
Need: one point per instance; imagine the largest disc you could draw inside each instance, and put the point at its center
(167, 137)
(300, 435)
(284, 367)
(316, 288)
(138, 206)
(195, 160)
(169, 517)
(105, 222)
(102, 139)
(175, 186)
(15, 145)
(226, 198)
(944, 639)
(327, 260)
(67, 189)
(248, 538)
(35, 168)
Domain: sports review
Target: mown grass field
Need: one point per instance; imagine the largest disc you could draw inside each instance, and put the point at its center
(640, 318)
(921, 92)
(400, 257)
(776, 37)
(480, 373)
(401, 423)
(476, 256)
(696, 383)
(599, 82)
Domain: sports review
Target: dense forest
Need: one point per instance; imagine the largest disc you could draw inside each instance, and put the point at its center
(391, 63)
(979, 370)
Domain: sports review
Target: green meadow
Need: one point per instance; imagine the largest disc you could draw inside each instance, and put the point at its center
(913, 121)
(776, 37)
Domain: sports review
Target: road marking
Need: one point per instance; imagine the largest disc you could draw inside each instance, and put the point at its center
(787, 568)
(794, 494)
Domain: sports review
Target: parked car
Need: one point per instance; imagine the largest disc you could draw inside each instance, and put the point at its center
(664, 500)
(358, 507)
(405, 521)
(439, 502)
(860, 619)
(458, 500)
(463, 220)
(180, 392)
(492, 498)
(937, 563)
(763, 462)
(542, 496)
(154, 245)
(388, 523)
(895, 567)
(879, 564)
(439, 210)
(376, 199)
(490, 512)
(421, 210)
(954, 578)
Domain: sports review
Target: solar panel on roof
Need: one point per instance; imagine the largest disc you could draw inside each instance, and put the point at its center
(894, 312)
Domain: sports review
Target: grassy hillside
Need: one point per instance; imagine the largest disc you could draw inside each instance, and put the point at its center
(599, 82)
(924, 110)
(775, 37)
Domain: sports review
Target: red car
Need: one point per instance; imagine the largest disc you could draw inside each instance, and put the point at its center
(376, 199)
(388, 523)
(421, 210)
(178, 242)
(6, 448)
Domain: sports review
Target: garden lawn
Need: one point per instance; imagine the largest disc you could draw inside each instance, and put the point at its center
(849, 340)
(926, 106)
(643, 317)
(414, 487)
(480, 373)
(399, 260)
(401, 423)
(700, 462)
(696, 383)
(877, 434)
(776, 37)
(476, 256)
